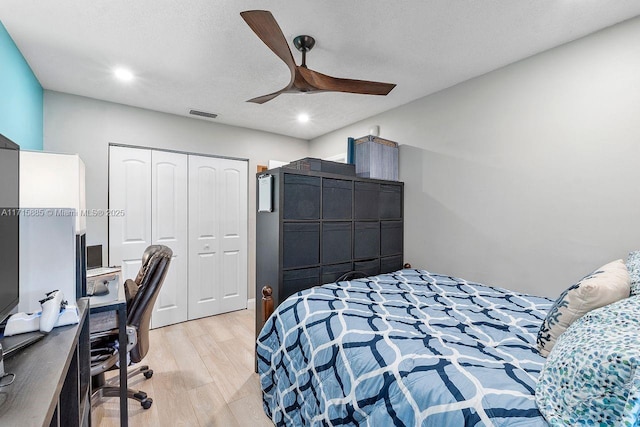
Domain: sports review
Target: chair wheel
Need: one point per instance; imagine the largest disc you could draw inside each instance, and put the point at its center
(146, 404)
(148, 374)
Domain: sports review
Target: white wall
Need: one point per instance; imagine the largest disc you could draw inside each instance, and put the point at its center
(526, 177)
(74, 124)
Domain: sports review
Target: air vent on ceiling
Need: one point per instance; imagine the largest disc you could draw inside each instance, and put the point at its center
(203, 114)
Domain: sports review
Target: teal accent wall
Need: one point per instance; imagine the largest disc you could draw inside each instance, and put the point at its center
(21, 105)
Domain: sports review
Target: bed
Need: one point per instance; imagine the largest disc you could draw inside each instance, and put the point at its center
(409, 348)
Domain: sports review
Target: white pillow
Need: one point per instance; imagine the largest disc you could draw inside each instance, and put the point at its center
(606, 285)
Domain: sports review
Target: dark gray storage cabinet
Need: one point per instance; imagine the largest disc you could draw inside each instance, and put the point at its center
(323, 225)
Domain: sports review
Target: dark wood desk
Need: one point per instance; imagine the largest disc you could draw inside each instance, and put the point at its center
(107, 315)
(52, 379)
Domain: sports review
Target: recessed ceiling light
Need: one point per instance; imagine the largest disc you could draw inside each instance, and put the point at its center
(123, 74)
(303, 118)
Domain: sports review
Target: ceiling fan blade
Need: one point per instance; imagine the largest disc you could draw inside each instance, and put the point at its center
(328, 83)
(265, 26)
(264, 98)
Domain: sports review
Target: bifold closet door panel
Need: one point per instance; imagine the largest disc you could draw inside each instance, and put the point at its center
(233, 230)
(169, 228)
(218, 225)
(129, 191)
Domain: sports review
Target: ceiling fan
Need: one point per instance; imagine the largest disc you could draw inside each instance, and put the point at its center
(303, 79)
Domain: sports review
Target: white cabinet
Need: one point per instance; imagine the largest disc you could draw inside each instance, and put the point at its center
(52, 228)
(197, 206)
(53, 180)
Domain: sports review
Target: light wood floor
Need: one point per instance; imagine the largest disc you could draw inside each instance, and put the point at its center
(203, 376)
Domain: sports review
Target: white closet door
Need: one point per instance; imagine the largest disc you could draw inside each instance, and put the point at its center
(129, 191)
(169, 227)
(217, 235)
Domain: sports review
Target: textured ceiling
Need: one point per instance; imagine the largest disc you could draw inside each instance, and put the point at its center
(201, 55)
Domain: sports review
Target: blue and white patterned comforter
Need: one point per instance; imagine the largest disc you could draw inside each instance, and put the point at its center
(411, 348)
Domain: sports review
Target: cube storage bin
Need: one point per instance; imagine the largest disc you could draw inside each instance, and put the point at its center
(376, 158)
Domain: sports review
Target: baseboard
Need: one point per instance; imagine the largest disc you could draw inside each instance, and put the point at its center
(251, 304)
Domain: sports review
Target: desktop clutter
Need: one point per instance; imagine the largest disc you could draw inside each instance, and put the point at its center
(55, 312)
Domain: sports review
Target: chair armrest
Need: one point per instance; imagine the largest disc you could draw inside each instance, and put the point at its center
(132, 337)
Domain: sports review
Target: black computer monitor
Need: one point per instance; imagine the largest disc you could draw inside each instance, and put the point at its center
(94, 256)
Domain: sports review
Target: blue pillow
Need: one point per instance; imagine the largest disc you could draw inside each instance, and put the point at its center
(592, 375)
(633, 265)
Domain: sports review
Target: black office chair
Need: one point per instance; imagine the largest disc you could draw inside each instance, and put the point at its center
(141, 294)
